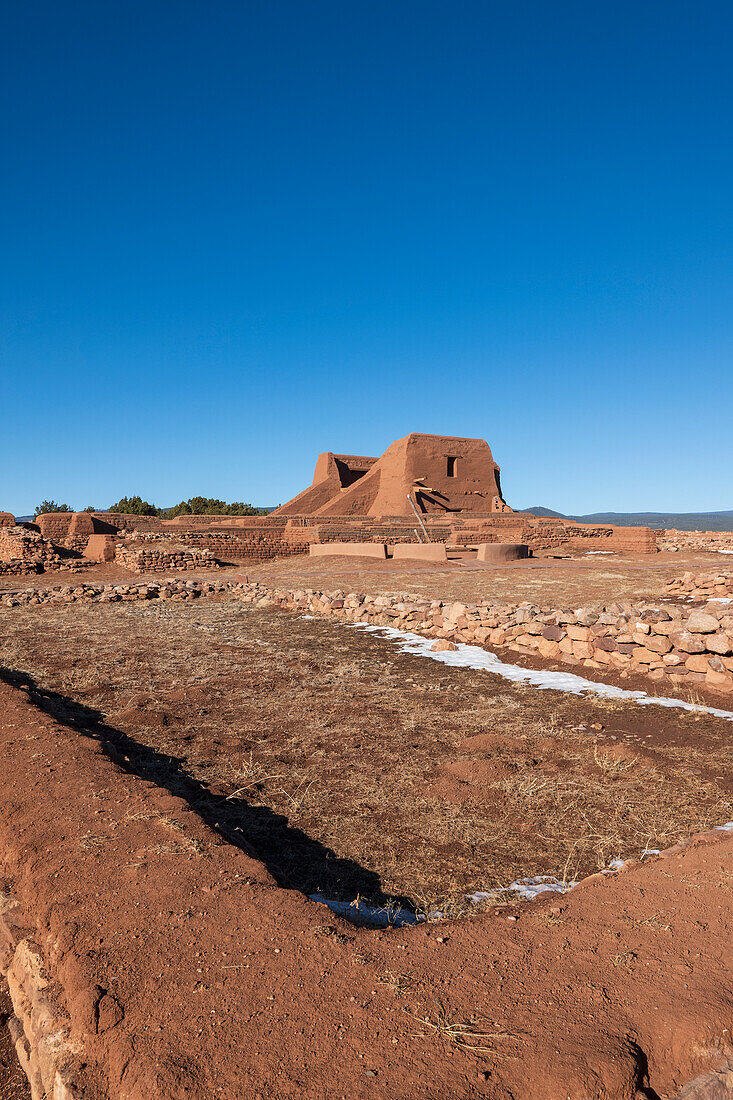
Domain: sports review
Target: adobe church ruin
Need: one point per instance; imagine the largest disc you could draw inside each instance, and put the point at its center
(423, 489)
(433, 474)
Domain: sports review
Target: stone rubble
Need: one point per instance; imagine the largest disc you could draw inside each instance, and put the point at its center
(701, 586)
(697, 542)
(24, 552)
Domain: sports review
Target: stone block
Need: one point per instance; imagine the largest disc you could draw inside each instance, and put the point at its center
(688, 642)
(578, 633)
(700, 622)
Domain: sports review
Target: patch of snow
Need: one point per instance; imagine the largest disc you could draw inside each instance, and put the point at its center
(651, 852)
(721, 599)
(358, 912)
(527, 888)
(474, 657)
(724, 551)
(727, 828)
(589, 553)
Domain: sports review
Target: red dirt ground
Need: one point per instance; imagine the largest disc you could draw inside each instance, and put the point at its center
(223, 984)
(226, 985)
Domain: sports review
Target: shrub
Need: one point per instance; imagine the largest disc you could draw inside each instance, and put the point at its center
(50, 506)
(135, 506)
(211, 506)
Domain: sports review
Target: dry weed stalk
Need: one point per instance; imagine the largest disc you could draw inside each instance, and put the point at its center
(468, 1035)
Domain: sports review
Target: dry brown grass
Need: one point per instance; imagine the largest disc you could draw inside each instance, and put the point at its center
(346, 764)
(574, 583)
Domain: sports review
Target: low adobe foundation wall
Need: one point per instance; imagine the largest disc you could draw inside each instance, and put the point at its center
(503, 551)
(348, 549)
(432, 551)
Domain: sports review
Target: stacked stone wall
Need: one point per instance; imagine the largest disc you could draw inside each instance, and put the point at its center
(678, 646)
(695, 541)
(240, 545)
(24, 551)
(701, 587)
(147, 556)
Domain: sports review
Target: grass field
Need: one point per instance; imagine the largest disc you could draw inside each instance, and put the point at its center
(353, 769)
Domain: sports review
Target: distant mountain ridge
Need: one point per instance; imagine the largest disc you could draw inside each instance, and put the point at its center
(680, 521)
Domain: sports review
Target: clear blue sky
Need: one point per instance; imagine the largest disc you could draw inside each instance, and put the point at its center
(237, 233)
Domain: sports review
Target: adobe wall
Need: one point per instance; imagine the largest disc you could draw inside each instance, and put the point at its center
(541, 533)
(7, 519)
(538, 534)
(72, 529)
(124, 521)
(238, 544)
(54, 526)
(258, 538)
(193, 523)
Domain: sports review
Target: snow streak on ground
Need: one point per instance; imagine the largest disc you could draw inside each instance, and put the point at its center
(474, 657)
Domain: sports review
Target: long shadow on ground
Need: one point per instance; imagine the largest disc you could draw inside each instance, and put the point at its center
(294, 859)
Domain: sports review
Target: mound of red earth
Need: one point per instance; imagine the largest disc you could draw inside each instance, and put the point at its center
(149, 957)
